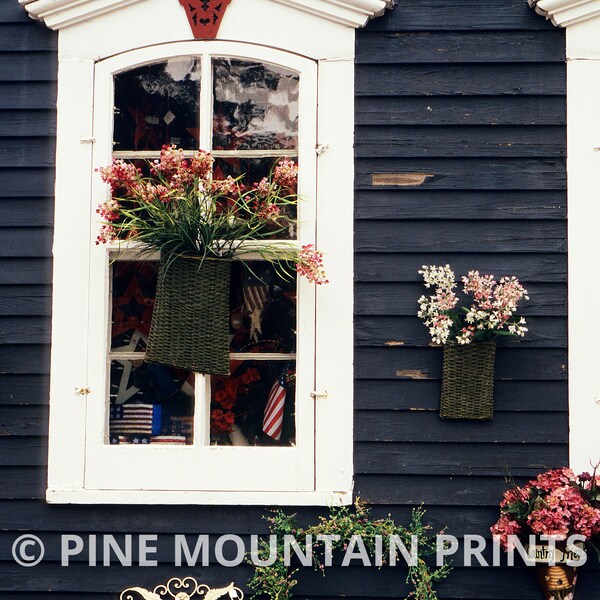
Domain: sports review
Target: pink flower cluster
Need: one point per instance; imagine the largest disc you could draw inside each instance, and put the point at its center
(286, 173)
(310, 265)
(492, 309)
(556, 503)
(119, 174)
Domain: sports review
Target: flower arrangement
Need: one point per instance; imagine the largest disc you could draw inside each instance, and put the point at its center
(490, 312)
(181, 210)
(555, 503)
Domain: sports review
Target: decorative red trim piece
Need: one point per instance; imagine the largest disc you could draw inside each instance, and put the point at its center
(205, 16)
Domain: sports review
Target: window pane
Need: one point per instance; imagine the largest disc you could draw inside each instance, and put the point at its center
(262, 309)
(150, 403)
(158, 104)
(255, 106)
(253, 170)
(255, 405)
(133, 293)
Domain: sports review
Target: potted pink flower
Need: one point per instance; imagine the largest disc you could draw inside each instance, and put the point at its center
(556, 503)
(468, 334)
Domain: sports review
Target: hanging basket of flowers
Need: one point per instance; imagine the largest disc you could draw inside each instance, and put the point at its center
(468, 335)
(199, 224)
(542, 516)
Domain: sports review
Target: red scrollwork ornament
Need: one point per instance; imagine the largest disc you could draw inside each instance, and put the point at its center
(205, 16)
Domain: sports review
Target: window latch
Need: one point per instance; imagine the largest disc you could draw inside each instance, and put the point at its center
(320, 148)
(87, 140)
(82, 391)
(315, 394)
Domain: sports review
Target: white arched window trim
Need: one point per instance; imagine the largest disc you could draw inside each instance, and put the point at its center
(98, 38)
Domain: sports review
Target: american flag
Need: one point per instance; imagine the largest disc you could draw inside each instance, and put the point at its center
(273, 419)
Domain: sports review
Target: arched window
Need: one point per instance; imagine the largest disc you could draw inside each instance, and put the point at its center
(132, 79)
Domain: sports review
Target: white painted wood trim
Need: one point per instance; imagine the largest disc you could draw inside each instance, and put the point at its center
(563, 13)
(276, 498)
(57, 14)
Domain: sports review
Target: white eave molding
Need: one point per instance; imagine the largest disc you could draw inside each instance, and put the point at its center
(563, 13)
(57, 14)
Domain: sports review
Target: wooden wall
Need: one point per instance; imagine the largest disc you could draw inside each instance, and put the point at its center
(466, 96)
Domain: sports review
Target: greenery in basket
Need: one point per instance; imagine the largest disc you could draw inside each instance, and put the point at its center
(488, 313)
(277, 580)
(179, 209)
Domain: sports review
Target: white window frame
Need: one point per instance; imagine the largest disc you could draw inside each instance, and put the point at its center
(89, 36)
(201, 466)
(582, 22)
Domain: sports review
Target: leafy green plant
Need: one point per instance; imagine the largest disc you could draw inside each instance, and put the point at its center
(277, 580)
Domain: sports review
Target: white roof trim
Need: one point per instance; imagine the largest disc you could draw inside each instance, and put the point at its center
(57, 14)
(566, 12)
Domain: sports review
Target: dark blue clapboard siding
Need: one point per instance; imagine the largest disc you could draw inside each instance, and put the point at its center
(460, 159)
(460, 147)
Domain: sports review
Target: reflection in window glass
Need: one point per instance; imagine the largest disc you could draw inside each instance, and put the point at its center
(255, 106)
(255, 405)
(262, 308)
(149, 403)
(158, 104)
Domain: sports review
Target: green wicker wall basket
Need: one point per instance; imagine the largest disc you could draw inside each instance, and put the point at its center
(190, 321)
(468, 381)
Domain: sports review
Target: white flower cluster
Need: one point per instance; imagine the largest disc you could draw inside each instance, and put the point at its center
(433, 309)
(492, 310)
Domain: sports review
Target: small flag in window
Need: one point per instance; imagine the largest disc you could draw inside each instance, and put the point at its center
(273, 419)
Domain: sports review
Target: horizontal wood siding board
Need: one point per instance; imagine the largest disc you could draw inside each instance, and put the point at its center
(411, 47)
(424, 395)
(426, 363)
(419, 458)
(28, 420)
(460, 110)
(27, 123)
(426, 426)
(450, 15)
(35, 152)
(25, 271)
(432, 490)
(545, 299)
(433, 205)
(460, 174)
(518, 79)
(458, 141)
(25, 360)
(23, 451)
(30, 515)
(363, 582)
(457, 236)
(22, 37)
(34, 95)
(12, 12)
(25, 242)
(404, 267)
(25, 330)
(384, 331)
(24, 301)
(24, 389)
(18, 66)
(23, 212)
(26, 182)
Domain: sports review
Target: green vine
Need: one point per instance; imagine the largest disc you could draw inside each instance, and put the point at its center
(277, 580)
